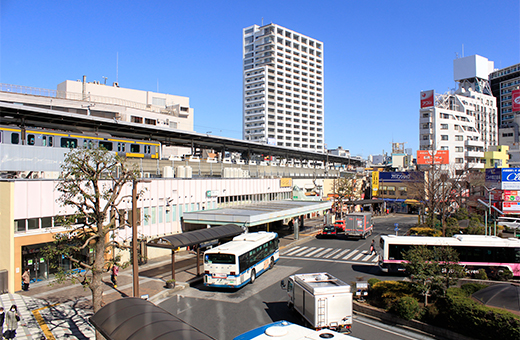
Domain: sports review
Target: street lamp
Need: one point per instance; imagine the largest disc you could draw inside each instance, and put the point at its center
(135, 268)
(489, 208)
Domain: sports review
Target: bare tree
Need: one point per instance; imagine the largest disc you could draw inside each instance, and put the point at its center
(91, 184)
(344, 190)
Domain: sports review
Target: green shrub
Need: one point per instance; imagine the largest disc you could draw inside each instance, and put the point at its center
(372, 281)
(470, 288)
(430, 313)
(406, 307)
(384, 293)
(424, 231)
(481, 275)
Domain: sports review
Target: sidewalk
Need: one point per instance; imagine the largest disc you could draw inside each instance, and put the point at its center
(61, 311)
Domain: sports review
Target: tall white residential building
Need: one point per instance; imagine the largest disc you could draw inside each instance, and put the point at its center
(462, 121)
(283, 88)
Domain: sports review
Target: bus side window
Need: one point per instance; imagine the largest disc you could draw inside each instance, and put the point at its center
(15, 138)
(30, 139)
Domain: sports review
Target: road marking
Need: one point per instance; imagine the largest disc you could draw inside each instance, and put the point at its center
(350, 254)
(314, 252)
(357, 256)
(295, 250)
(330, 254)
(306, 251)
(290, 250)
(41, 322)
(385, 330)
(341, 253)
(324, 252)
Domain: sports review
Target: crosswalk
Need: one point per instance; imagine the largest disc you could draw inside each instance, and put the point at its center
(337, 254)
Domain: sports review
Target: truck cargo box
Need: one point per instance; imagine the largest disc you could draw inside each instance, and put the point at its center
(358, 225)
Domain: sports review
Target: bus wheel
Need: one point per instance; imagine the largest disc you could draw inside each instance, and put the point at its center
(271, 263)
(253, 276)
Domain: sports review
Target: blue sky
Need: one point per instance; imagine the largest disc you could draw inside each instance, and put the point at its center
(378, 55)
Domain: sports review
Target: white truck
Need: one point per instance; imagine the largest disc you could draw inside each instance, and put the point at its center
(322, 300)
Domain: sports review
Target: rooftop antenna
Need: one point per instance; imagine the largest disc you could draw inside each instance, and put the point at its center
(117, 67)
(262, 21)
(462, 50)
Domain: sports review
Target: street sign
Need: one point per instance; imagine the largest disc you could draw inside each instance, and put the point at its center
(396, 228)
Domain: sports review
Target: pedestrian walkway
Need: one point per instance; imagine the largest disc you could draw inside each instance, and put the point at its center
(338, 254)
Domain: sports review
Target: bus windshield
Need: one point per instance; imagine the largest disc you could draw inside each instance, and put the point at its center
(220, 258)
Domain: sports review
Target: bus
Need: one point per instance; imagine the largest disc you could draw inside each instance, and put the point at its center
(235, 263)
(285, 330)
(491, 253)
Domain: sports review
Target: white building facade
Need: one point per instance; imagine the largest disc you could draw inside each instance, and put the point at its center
(464, 121)
(283, 101)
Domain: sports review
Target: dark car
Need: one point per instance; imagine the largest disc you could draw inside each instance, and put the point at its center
(329, 231)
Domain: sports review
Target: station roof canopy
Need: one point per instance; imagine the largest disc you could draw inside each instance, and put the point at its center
(256, 214)
(363, 202)
(195, 237)
(135, 319)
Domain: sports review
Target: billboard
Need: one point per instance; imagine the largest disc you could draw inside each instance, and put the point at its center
(426, 98)
(375, 182)
(503, 178)
(511, 207)
(397, 177)
(425, 157)
(516, 100)
(285, 182)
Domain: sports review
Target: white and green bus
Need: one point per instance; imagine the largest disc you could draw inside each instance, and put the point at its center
(235, 263)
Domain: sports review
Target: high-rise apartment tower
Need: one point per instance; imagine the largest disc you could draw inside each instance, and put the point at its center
(283, 88)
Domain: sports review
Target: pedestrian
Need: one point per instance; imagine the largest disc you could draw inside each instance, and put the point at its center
(11, 321)
(372, 247)
(2, 318)
(113, 276)
(26, 279)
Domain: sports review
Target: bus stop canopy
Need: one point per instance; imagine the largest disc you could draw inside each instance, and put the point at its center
(196, 237)
(136, 319)
(256, 214)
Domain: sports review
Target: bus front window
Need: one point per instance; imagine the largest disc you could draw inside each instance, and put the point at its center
(219, 259)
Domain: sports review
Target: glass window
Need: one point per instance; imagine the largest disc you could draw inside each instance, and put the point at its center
(46, 222)
(168, 214)
(135, 148)
(15, 138)
(161, 214)
(106, 145)
(33, 223)
(154, 215)
(19, 225)
(70, 143)
(30, 139)
(174, 213)
(146, 216)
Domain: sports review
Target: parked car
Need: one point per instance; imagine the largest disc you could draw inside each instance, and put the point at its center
(328, 231)
(340, 225)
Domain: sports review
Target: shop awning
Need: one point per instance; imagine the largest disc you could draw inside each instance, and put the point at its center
(363, 202)
(412, 202)
(136, 319)
(191, 238)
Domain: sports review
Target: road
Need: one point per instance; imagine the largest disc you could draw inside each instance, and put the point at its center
(225, 314)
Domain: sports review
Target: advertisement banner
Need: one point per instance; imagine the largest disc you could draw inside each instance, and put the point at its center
(426, 99)
(375, 182)
(511, 207)
(424, 157)
(285, 182)
(515, 95)
(511, 196)
(396, 177)
(510, 179)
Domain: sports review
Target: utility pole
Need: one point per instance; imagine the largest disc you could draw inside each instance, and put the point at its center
(135, 268)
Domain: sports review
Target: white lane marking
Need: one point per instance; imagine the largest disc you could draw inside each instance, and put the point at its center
(293, 251)
(350, 254)
(330, 254)
(341, 253)
(314, 252)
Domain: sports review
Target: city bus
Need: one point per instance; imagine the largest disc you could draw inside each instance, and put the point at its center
(284, 330)
(491, 253)
(235, 263)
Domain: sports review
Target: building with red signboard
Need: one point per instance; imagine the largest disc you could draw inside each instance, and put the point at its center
(460, 125)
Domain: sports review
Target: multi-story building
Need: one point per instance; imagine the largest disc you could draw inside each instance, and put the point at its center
(503, 83)
(462, 121)
(283, 88)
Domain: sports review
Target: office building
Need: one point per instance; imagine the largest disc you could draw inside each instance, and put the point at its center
(503, 83)
(283, 100)
(462, 121)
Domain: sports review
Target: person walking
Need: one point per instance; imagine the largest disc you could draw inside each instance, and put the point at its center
(11, 321)
(372, 247)
(113, 276)
(26, 279)
(2, 318)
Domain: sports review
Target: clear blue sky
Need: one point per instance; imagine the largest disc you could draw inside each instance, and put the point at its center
(378, 55)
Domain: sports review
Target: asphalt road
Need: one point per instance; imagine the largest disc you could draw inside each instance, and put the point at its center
(224, 314)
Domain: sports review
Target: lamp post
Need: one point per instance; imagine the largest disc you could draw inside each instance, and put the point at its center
(489, 209)
(135, 269)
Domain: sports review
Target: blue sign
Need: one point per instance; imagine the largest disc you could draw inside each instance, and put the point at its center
(400, 176)
(503, 178)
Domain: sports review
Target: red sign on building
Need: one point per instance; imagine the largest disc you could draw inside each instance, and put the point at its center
(426, 98)
(516, 100)
(425, 157)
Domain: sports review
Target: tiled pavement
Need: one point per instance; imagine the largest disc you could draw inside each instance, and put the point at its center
(61, 311)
